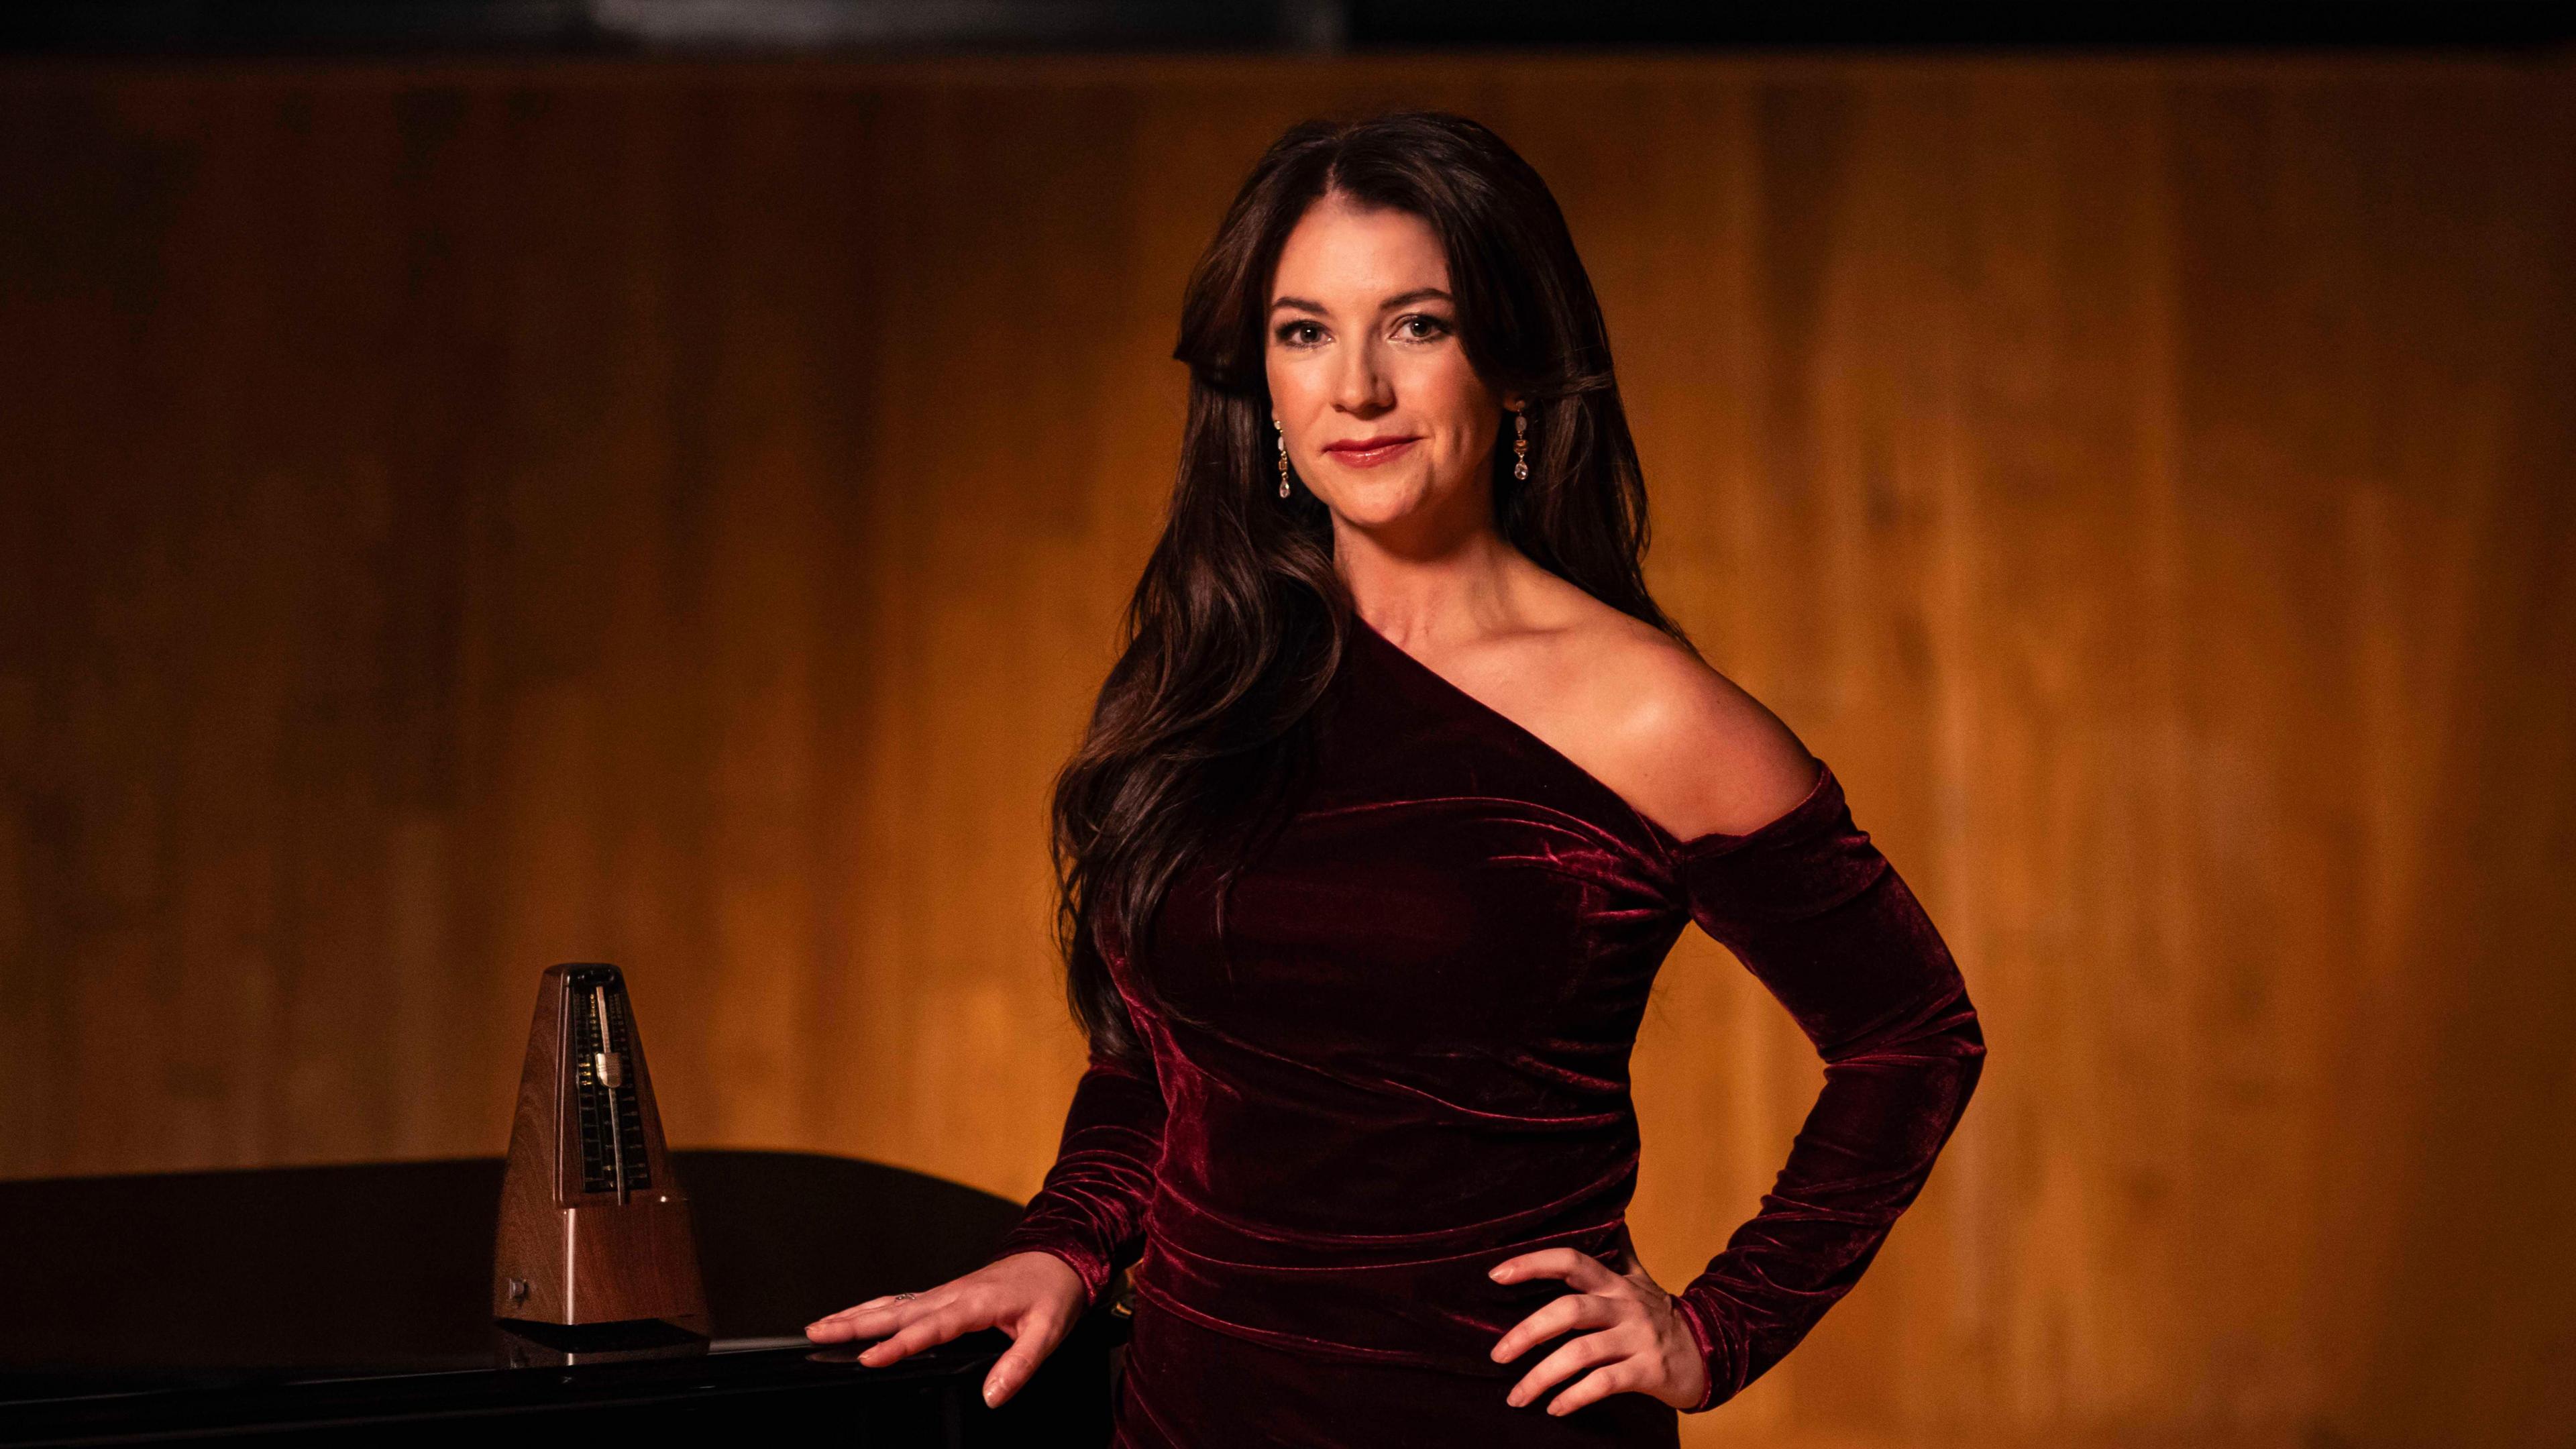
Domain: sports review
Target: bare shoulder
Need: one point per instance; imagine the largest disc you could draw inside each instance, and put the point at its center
(1679, 740)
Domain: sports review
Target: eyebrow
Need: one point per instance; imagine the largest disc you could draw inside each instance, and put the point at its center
(1418, 294)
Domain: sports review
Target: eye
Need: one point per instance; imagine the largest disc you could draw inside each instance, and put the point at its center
(1420, 327)
(1299, 333)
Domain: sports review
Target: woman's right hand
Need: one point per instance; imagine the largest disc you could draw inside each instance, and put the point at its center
(1034, 1297)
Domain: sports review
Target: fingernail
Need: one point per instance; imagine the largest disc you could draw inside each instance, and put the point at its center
(990, 1395)
(1494, 1272)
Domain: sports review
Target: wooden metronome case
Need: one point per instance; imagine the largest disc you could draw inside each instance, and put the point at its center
(594, 1228)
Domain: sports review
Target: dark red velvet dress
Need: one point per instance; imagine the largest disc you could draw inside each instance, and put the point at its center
(1423, 998)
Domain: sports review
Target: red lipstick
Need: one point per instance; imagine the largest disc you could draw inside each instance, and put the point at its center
(1369, 452)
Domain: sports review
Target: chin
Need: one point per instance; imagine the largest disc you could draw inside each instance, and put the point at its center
(1370, 501)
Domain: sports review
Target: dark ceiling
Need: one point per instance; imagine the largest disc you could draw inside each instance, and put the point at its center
(698, 27)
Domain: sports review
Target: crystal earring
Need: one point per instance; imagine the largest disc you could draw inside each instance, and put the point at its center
(1520, 447)
(1283, 455)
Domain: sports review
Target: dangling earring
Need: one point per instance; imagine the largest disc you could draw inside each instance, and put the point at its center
(1520, 447)
(1283, 455)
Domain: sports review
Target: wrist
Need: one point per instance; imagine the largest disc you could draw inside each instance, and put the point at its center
(1090, 1275)
(1055, 1268)
(1704, 1342)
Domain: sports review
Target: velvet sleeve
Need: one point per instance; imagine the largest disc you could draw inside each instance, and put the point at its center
(1815, 912)
(1090, 1210)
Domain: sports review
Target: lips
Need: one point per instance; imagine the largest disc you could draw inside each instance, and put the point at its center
(1369, 452)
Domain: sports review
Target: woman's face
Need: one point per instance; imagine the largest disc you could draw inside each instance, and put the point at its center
(1384, 418)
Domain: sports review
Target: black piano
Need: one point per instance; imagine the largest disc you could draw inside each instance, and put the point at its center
(354, 1304)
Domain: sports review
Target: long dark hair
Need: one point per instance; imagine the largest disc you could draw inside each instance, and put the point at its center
(1239, 622)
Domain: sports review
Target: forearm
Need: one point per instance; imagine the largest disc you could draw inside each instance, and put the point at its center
(1872, 985)
(1090, 1210)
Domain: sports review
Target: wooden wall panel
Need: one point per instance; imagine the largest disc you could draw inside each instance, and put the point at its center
(458, 519)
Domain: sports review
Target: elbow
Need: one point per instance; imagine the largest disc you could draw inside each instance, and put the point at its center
(1958, 1040)
(1954, 1032)
(1969, 1047)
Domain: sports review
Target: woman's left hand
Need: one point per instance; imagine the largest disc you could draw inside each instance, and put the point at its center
(1642, 1346)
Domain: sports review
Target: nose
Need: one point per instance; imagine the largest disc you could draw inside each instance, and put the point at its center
(1360, 386)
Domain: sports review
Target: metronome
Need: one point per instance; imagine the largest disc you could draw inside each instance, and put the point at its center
(594, 1228)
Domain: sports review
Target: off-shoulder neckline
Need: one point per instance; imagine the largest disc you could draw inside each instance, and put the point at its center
(1718, 842)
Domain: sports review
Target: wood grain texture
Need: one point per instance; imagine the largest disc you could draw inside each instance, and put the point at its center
(458, 519)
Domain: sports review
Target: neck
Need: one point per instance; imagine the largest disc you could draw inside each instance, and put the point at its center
(1430, 586)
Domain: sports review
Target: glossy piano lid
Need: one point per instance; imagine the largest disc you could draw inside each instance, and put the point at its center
(281, 1293)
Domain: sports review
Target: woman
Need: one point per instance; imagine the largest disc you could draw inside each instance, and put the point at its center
(1386, 818)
